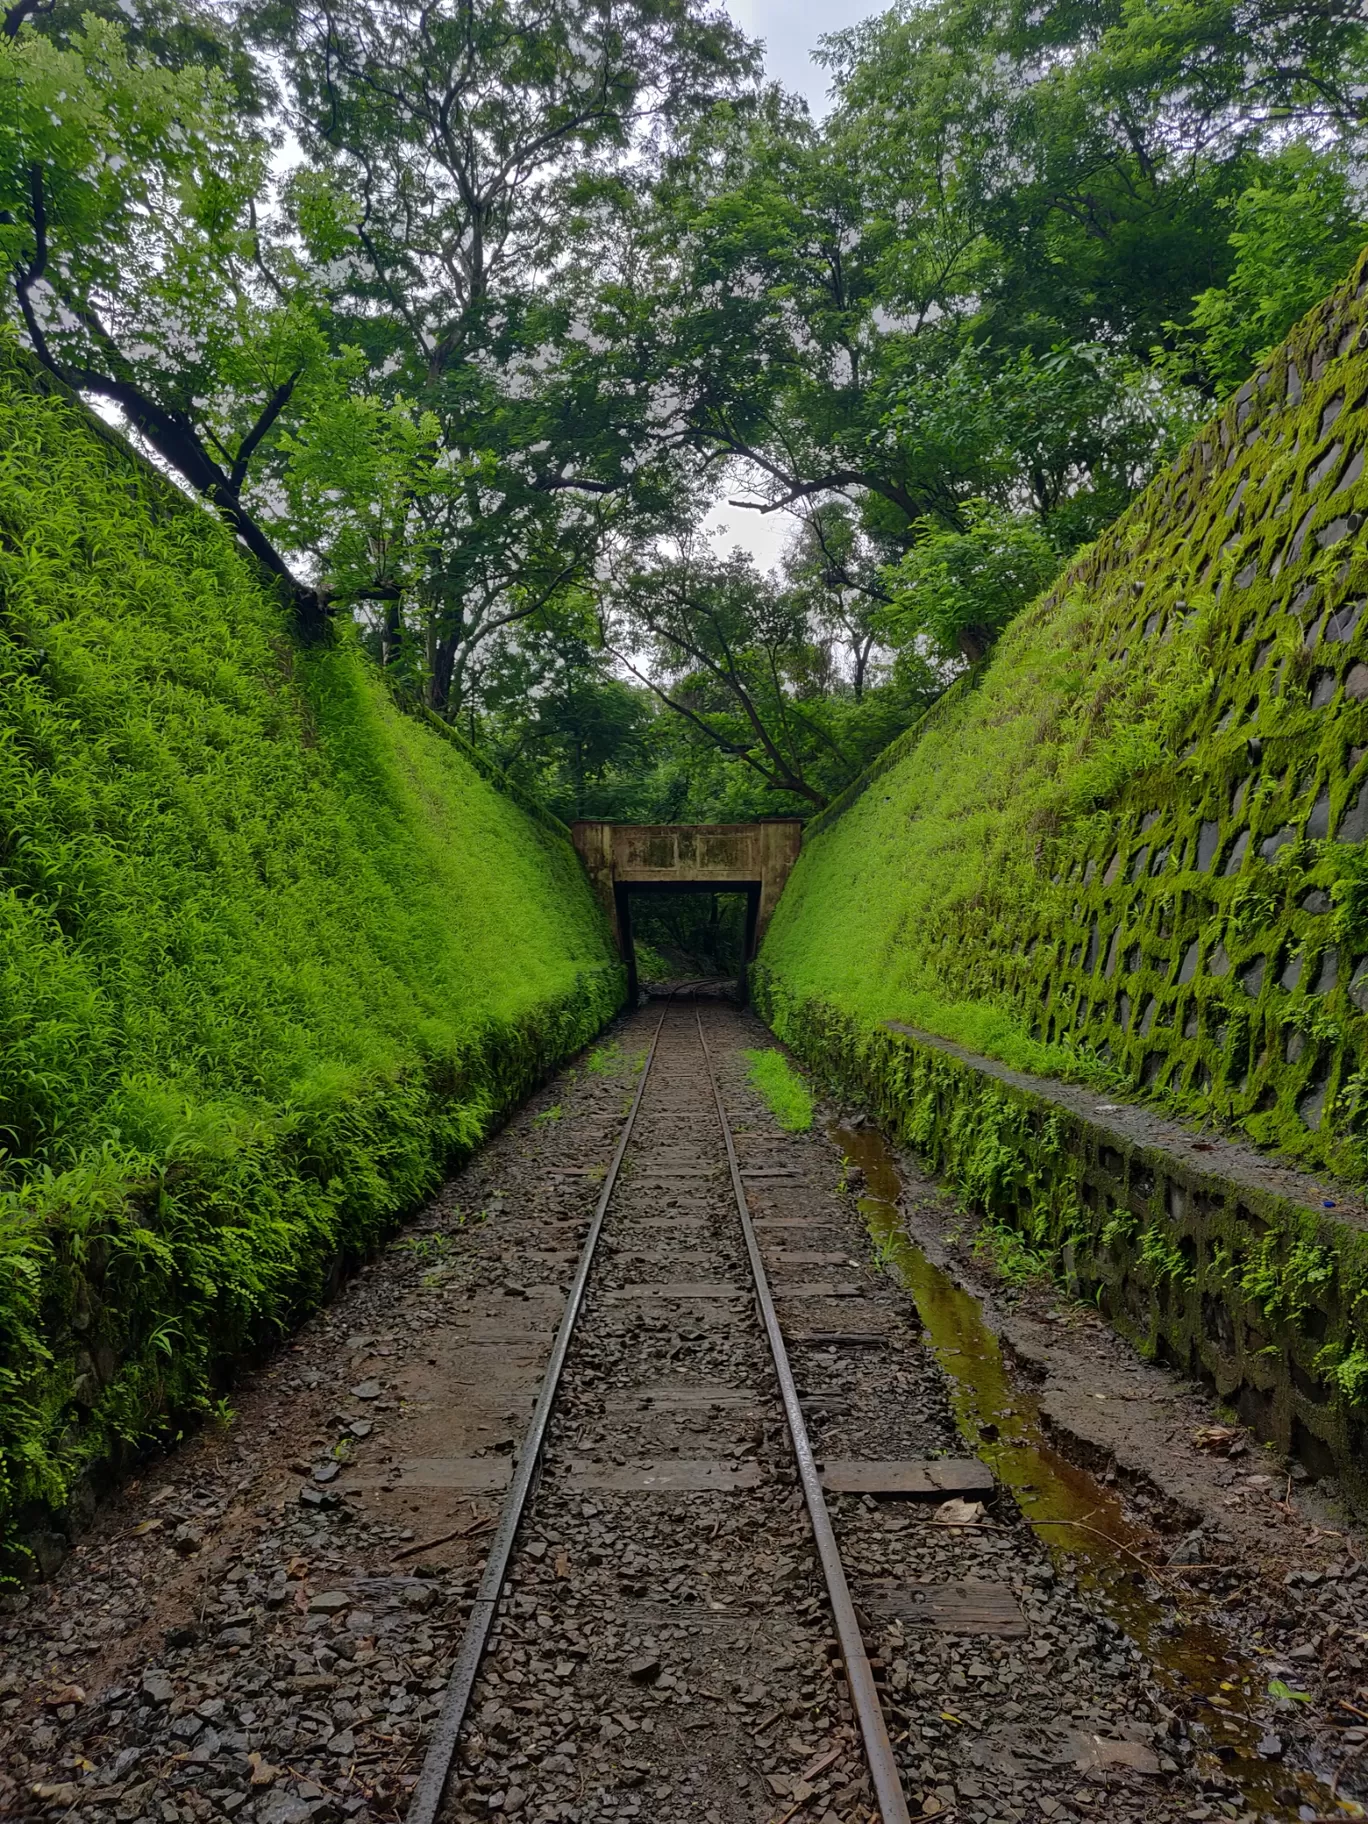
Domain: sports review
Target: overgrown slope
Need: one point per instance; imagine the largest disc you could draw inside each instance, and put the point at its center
(1134, 845)
(271, 953)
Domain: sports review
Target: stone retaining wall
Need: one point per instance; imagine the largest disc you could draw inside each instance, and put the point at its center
(1248, 1273)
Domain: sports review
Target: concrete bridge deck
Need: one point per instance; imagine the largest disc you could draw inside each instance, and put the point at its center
(626, 858)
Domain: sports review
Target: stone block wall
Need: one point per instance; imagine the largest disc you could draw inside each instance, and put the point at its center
(1243, 1272)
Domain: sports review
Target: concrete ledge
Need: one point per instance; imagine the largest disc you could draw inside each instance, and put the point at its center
(1211, 1257)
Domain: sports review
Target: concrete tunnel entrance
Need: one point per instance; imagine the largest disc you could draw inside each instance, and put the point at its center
(627, 859)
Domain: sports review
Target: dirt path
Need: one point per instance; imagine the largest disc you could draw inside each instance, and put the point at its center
(261, 1627)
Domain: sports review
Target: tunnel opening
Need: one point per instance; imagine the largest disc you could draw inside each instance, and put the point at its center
(687, 938)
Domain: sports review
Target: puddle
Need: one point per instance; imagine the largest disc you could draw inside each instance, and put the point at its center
(1212, 1685)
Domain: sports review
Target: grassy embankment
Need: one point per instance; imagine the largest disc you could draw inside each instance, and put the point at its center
(1132, 851)
(1132, 848)
(272, 954)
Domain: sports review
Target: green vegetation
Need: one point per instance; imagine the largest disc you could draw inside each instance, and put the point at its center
(948, 332)
(271, 950)
(1128, 849)
(783, 1091)
(689, 934)
(271, 955)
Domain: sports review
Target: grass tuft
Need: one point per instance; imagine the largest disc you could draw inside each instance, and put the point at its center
(784, 1092)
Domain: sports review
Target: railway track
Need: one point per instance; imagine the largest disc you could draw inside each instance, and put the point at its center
(671, 1251)
(621, 1487)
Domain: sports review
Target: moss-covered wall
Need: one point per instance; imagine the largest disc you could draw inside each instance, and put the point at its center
(1130, 851)
(272, 953)
(1135, 842)
(1202, 1252)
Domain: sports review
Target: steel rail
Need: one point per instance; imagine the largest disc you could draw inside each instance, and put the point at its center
(864, 1696)
(432, 1781)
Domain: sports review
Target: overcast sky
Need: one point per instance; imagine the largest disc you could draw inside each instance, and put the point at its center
(790, 30)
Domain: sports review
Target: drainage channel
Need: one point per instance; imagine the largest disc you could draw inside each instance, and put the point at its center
(1078, 1516)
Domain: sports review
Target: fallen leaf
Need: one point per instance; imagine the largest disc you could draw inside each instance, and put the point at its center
(560, 1564)
(65, 1694)
(144, 1527)
(262, 1771)
(1215, 1437)
(957, 1512)
(1276, 1688)
(1102, 1751)
(297, 1567)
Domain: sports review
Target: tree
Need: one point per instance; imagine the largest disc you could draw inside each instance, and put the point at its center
(960, 589)
(458, 156)
(139, 274)
(1297, 229)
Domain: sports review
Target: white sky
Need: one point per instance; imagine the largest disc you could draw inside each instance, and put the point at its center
(790, 30)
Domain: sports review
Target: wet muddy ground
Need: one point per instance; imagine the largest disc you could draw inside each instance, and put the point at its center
(261, 1626)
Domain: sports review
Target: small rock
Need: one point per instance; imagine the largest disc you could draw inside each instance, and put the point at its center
(157, 1687)
(645, 1671)
(366, 1390)
(1192, 1549)
(1302, 1652)
(344, 1743)
(360, 1428)
(326, 1472)
(329, 1602)
(1271, 1747)
(283, 1808)
(183, 1634)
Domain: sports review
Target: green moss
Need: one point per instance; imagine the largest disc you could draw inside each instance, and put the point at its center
(1130, 849)
(783, 1091)
(271, 954)
(1220, 1276)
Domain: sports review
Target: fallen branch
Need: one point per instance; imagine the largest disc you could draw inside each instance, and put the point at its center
(460, 1532)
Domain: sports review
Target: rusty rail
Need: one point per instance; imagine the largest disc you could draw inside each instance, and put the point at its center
(432, 1781)
(883, 1767)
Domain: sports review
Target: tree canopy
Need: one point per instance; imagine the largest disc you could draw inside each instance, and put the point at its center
(466, 315)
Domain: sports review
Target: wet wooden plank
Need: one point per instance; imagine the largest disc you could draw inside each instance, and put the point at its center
(842, 1339)
(683, 1475)
(918, 1477)
(817, 1288)
(463, 1475)
(678, 1288)
(667, 1397)
(950, 1608)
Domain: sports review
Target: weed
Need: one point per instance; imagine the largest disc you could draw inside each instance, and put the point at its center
(1282, 1286)
(1164, 1260)
(782, 1090)
(272, 953)
(1013, 1258)
(548, 1115)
